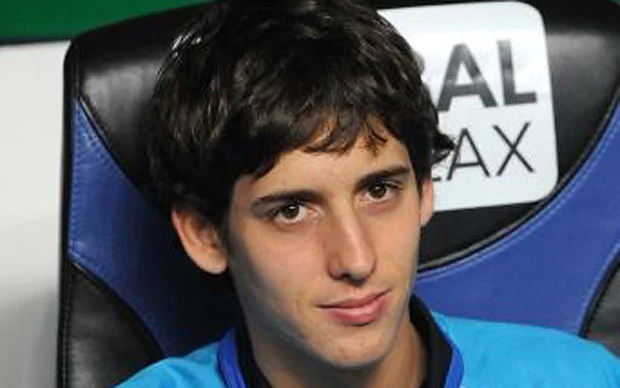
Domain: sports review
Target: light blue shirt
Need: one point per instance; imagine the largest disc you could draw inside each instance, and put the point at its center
(494, 355)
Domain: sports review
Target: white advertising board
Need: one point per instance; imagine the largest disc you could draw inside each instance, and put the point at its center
(486, 67)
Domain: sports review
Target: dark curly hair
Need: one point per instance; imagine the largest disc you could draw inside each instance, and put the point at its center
(251, 80)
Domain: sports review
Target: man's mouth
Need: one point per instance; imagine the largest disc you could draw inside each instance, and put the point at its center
(357, 311)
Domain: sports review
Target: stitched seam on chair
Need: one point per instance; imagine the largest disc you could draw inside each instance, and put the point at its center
(75, 184)
(104, 134)
(74, 194)
(81, 121)
(105, 274)
(92, 138)
(127, 316)
(66, 329)
(589, 295)
(540, 219)
(77, 196)
(591, 292)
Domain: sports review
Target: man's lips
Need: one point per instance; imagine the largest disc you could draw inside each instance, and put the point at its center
(353, 302)
(357, 311)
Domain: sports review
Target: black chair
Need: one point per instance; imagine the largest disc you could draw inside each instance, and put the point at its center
(130, 296)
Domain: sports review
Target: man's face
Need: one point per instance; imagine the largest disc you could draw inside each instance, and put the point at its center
(323, 252)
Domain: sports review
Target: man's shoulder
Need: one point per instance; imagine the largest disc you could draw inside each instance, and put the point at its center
(505, 354)
(197, 369)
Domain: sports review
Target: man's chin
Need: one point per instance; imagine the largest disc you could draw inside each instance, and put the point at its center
(360, 347)
(354, 355)
(360, 363)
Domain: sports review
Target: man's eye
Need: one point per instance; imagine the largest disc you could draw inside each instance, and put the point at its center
(382, 191)
(378, 191)
(291, 213)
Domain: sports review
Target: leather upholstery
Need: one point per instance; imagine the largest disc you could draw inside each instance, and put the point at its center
(129, 296)
(602, 323)
(92, 311)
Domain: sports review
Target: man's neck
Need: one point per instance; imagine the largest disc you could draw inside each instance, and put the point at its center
(404, 366)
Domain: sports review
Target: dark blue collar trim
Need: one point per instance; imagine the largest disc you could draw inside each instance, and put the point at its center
(455, 372)
(228, 361)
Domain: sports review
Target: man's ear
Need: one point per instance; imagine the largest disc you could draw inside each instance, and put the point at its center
(201, 241)
(426, 202)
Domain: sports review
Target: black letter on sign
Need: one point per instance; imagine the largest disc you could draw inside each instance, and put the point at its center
(456, 159)
(511, 96)
(462, 56)
(513, 148)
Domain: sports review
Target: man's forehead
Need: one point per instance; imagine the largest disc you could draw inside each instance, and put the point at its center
(306, 169)
(340, 132)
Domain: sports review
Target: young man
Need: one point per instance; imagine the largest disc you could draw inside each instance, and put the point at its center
(294, 148)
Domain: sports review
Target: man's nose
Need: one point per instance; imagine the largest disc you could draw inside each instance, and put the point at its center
(350, 251)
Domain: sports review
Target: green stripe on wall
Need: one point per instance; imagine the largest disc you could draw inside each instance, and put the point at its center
(41, 19)
(65, 18)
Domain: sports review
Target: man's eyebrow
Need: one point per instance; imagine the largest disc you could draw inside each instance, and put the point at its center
(285, 196)
(384, 174)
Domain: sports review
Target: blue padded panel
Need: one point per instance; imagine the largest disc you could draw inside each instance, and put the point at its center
(547, 271)
(117, 236)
